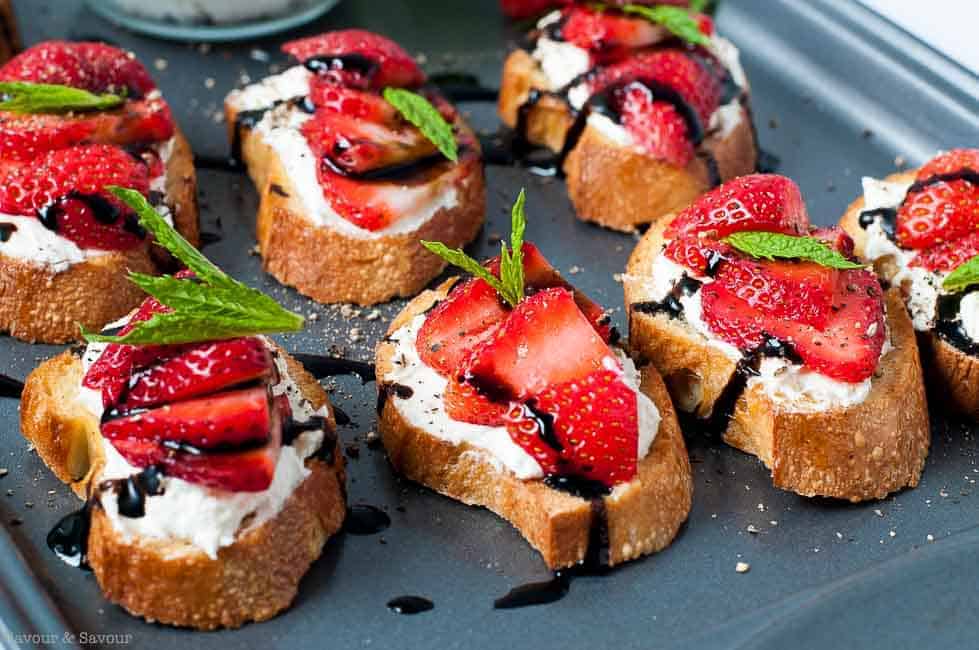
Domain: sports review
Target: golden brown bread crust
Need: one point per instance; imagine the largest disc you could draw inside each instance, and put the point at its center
(175, 582)
(9, 34)
(861, 452)
(39, 305)
(329, 266)
(643, 515)
(611, 185)
(953, 375)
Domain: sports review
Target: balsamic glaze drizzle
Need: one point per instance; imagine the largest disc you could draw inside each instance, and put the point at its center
(131, 492)
(321, 366)
(888, 220)
(6, 230)
(363, 519)
(327, 63)
(410, 605)
(948, 325)
(10, 387)
(69, 537)
(102, 209)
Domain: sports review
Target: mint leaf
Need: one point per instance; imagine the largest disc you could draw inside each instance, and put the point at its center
(457, 257)
(27, 97)
(676, 19)
(420, 112)
(209, 306)
(769, 245)
(698, 6)
(963, 276)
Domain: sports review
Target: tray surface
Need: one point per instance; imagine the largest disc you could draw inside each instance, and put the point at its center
(825, 75)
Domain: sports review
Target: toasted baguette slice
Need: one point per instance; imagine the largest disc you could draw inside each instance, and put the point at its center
(618, 186)
(861, 452)
(644, 515)
(170, 581)
(9, 34)
(330, 266)
(953, 375)
(38, 304)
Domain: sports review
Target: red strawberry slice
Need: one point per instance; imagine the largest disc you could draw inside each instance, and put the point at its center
(458, 325)
(697, 253)
(798, 291)
(939, 212)
(949, 256)
(75, 219)
(464, 403)
(96, 67)
(950, 162)
(200, 369)
(392, 66)
(24, 137)
(609, 36)
(730, 318)
(836, 238)
(705, 24)
(520, 9)
(545, 341)
(368, 106)
(655, 126)
(236, 471)
(757, 202)
(593, 428)
(697, 84)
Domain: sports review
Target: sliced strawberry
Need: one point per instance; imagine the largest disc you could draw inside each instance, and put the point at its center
(92, 222)
(135, 122)
(655, 126)
(359, 104)
(939, 212)
(520, 9)
(96, 67)
(457, 326)
(24, 137)
(757, 202)
(799, 291)
(836, 238)
(236, 471)
(609, 36)
(586, 428)
(949, 256)
(464, 403)
(545, 341)
(705, 24)
(950, 162)
(697, 254)
(200, 369)
(730, 318)
(389, 64)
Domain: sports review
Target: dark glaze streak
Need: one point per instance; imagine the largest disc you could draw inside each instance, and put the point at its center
(10, 387)
(399, 171)
(208, 238)
(6, 230)
(536, 593)
(365, 520)
(410, 605)
(69, 537)
(275, 188)
(324, 64)
(888, 220)
(131, 492)
(102, 209)
(670, 305)
(962, 175)
(710, 163)
(949, 328)
(321, 366)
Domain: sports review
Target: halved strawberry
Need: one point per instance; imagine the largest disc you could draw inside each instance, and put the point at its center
(798, 291)
(24, 137)
(730, 318)
(236, 471)
(92, 222)
(519, 9)
(390, 65)
(96, 67)
(545, 341)
(757, 202)
(655, 126)
(199, 369)
(608, 35)
(949, 256)
(464, 403)
(939, 212)
(697, 254)
(950, 162)
(587, 427)
(458, 325)
(354, 103)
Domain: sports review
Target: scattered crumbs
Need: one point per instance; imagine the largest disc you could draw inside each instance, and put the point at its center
(10, 493)
(930, 537)
(774, 522)
(160, 64)
(355, 334)
(313, 317)
(259, 55)
(878, 512)
(373, 315)
(900, 161)
(421, 58)
(373, 440)
(839, 535)
(381, 540)
(742, 567)
(773, 123)
(618, 277)
(942, 493)
(747, 488)
(352, 450)
(204, 48)
(867, 133)
(28, 504)
(815, 549)
(761, 507)
(16, 521)
(52, 492)
(752, 529)
(892, 533)
(830, 186)
(574, 270)
(713, 515)
(4, 471)
(209, 83)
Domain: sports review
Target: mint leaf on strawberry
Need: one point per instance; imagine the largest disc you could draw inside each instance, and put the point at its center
(28, 97)
(963, 276)
(510, 284)
(676, 19)
(420, 112)
(771, 245)
(209, 306)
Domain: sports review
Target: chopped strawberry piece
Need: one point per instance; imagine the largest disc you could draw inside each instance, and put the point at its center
(730, 318)
(757, 202)
(939, 212)
(135, 122)
(609, 36)
(464, 403)
(950, 162)
(588, 428)
(92, 222)
(545, 341)
(705, 24)
(520, 9)
(359, 104)
(387, 63)
(799, 291)
(949, 256)
(95, 67)
(836, 238)
(655, 126)
(458, 325)
(200, 369)
(25, 137)
(698, 254)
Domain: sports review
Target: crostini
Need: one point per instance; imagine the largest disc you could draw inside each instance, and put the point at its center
(355, 159)
(207, 456)
(506, 391)
(79, 116)
(763, 326)
(920, 230)
(646, 108)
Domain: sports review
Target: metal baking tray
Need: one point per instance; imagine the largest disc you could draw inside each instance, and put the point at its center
(838, 92)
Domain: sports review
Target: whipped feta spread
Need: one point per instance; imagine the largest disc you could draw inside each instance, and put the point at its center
(290, 84)
(204, 517)
(790, 385)
(560, 61)
(425, 409)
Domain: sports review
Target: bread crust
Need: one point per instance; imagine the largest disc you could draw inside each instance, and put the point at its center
(644, 515)
(953, 375)
(329, 266)
(40, 305)
(861, 452)
(616, 186)
(174, 582)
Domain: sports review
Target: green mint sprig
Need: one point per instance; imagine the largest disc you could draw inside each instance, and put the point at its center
(210, 306)
(963, 276)
(420, 112)
(510, 284)
(676, 20)
(26, 97)
(769, 245)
